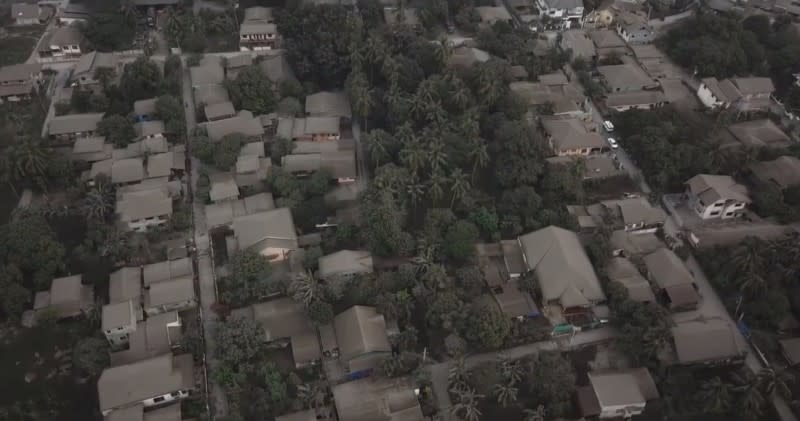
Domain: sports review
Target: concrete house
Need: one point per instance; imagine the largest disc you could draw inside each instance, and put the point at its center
(716, 196)
(270, 233)
(86, 68)
(119, 322)
(377, 399)
(176, 294)
(285, 323)
(566, 276)
(329, 104)
(634, 28)
(501, 265)
(64, 42)
(570, 137)
(623, 271)
(362, 339)
(223, 188)
(617, 394)
(345, 263)
(673, 279)
(136, 413)
(340, 164)
(707, 342)
(570, 12)
(243, 123)
(25, 14)
(91, 149)
(258, 30)
(152, 382)
(66, 128)
(67, 297)
(762, 133)
(140, 211)
(219, 111)
(625, 78)
(19, 80)
(310, 128)
(746, 93)
(158, 335)
(148, 130)
(577, 41)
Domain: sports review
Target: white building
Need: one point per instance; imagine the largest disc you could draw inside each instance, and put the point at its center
(617, 394)
(716, 196)
(569, 11)
(119, 322)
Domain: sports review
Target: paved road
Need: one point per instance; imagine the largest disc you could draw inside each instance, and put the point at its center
(439, 372)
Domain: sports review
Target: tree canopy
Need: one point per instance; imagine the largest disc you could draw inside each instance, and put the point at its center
(117, 129)
(252, 90)
(140, 80)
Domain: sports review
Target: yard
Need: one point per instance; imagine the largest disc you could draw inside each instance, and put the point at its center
(18, 43)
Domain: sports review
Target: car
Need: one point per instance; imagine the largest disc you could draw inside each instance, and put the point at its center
(613, 143)
(608, 126)
(630, 195)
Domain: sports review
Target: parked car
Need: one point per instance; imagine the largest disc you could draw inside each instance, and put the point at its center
(613, 143)
(608, 126)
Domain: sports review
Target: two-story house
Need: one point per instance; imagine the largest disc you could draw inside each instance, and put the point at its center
(119, 322)
(716, 196)
(19, 80)
(174, 294)
(617, 394)
(361, 337)
(258, 30)
(569, 137)
(63, 43)
(569, 12)
(745, 93)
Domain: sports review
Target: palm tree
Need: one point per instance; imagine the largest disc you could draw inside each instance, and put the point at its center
(752, 283)
(360, 95)
(458, 376)
(98, 204)
(773, 382)
(312, 394)
(510, 370)
(467, 406)
(305, 288)
(414, 156)
(716, 395)
(437, 157)
(459, 185)
(414, 190)
(443, 50)
(748, 257)
(537, 414)
(436, 186)
(506, 393)
(752, 404)
(376, 146)
(29, 160)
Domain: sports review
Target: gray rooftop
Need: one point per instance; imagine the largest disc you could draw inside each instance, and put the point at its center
(360, 330)
(711, 188)
(273, 228)
(74, 123)
(328, 104)
(625, 77)
(376, 398)
(706, 341)
(166, 270)
(217, 111)
(207, 74)
(145, 106)
(125, 284)
(176, 290)
(783, 171)
(345, 262)
(143, 204)
(244, 123)
(19, 72)
(223, 187)
(132, 383)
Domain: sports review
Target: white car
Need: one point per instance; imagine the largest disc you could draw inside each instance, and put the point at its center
(613, 143)
(608, 126)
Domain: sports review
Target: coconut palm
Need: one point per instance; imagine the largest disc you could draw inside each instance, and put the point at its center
(537, 414)
(466, 408)
(459, 185)
(437, 157)
(436, 186)
(505, 393)
(377, 146)
(444, 50)
(458, 376)
(312, 394)
(752, 402)
(773, 382)
(752, 283)
(716, 395)
(414, 190)
(98, 204)
(748, 257)
(414, 156)
(510, 370)
(305, 288)
(28, 160)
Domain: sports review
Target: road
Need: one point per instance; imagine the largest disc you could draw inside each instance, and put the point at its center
(361, 156)
(439, 372)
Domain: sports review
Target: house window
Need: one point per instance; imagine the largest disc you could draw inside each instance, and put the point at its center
(159, 399)
(715, 213)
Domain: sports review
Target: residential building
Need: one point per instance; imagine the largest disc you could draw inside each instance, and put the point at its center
(64, 42)
(782, 172)
(673, 279)
(310, 128)
(616, 393)
(237, 63)
(152, 382)
(755, 134)
(340, 164)
(223, 213)
(501, 265)
(570, 137)
(137, 413)
(634, 214)
(716, 196)
(746, 93)
(140, 211)
(91, 149)
(270, 233)
(119, 322)
(251, 170)
(176, 294)
(25, 14)
(401, 16)
(634, 28)
(158, 335)
(67, 297)
(243, 123)
(362, 339)
(125, 284)
(66, 128)
(566, 276)
(628, 244)
(167, 270)
(73, 12)
(635, 100)
(17, 81)
(623, 271)
(209, 94)
(223, 187)
(607, 43)
(568, 11)
(493, 14)
(285, 323)
(258, 30)
(276, 67)
(556, 91)
(153, 129)
(465, 57)
(329, 104)
(85, 72)
(377, 398)
(576, 41)
(145, 109)
(219, 111)
(345, 263)
(625, 78)
(707, 342)
(208, 73)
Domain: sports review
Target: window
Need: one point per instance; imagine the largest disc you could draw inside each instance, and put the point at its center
(175, 394)
(715, 213)
(159, 399)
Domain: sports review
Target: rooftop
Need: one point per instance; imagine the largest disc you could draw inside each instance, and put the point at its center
(132, 383)
(164, 271)
(328, 104)
(625, 77)
(272, 228)
(759, 133)
(176, 290)
(19, 72)
(706, 341)
(74, 123)
(244, 123)
(376, 398)
(711, 188)
(360, 330)
(345, 262)
(784, 171)
(223, 187)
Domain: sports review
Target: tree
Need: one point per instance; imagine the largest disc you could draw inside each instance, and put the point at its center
(28, 160)
(466, 406)
(15, 297)
(251, 278)
(716, 395)
(551, 380)
(774, 383)
(505, 393)
(170, 109)
(117, 129)
(486, 327)
(252, 91)
(382, 227)
(29, 246)
(239, 340)
(537, 414)
(99, 202)
(319, 312)
(90, 356)
(140, 80)
(460, 240)
(305, 289)
(110, 31)
(105, 75)
(226, 151)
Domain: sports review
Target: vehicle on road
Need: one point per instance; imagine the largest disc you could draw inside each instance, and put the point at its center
(608, 126)
(613, 143)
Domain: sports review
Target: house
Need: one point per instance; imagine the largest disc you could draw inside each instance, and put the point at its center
(223, 213)
(136, 413)
(616, 393)
(91, 149)
(307, 415)
(63, 42)
(167, 270)
(401, 16)
(635, 29)
(152, 382)
(145, 109)
(66, 128)
(639, 100)
(126, 171)
(73, 12)
(17, 81)
(285, 322)
(673, 279)
(791, 350)
(493, 14)
(223, 187)
(746, 93)
(566, 276)
(237, 63)
(576, 41)
(344, 195)
(716, 196)
(329, 104)
(625, 78)
(707, 342)
(119, 321)
(176, 294)
(628, 244)
(568, 11)
(162, 165)
(345, 263)
(570, 137)
(158, 335)
(377, 398)
(782, 172)
(465, 57)
(140, 211)
(634, 214)
(251, 170)
(270, 233)
(502, 264)
(125, 284)
(361, 335)
(340, 164)
(243, 123)
(258, 30)
(623, 271)
(67, 297)
(607, 43)
(310, 128)
(755, 134)
(553, 90)
(153, 129)
(25, 14)
(85, 72)
(209, 73)
(219, 111)
(210, 94)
